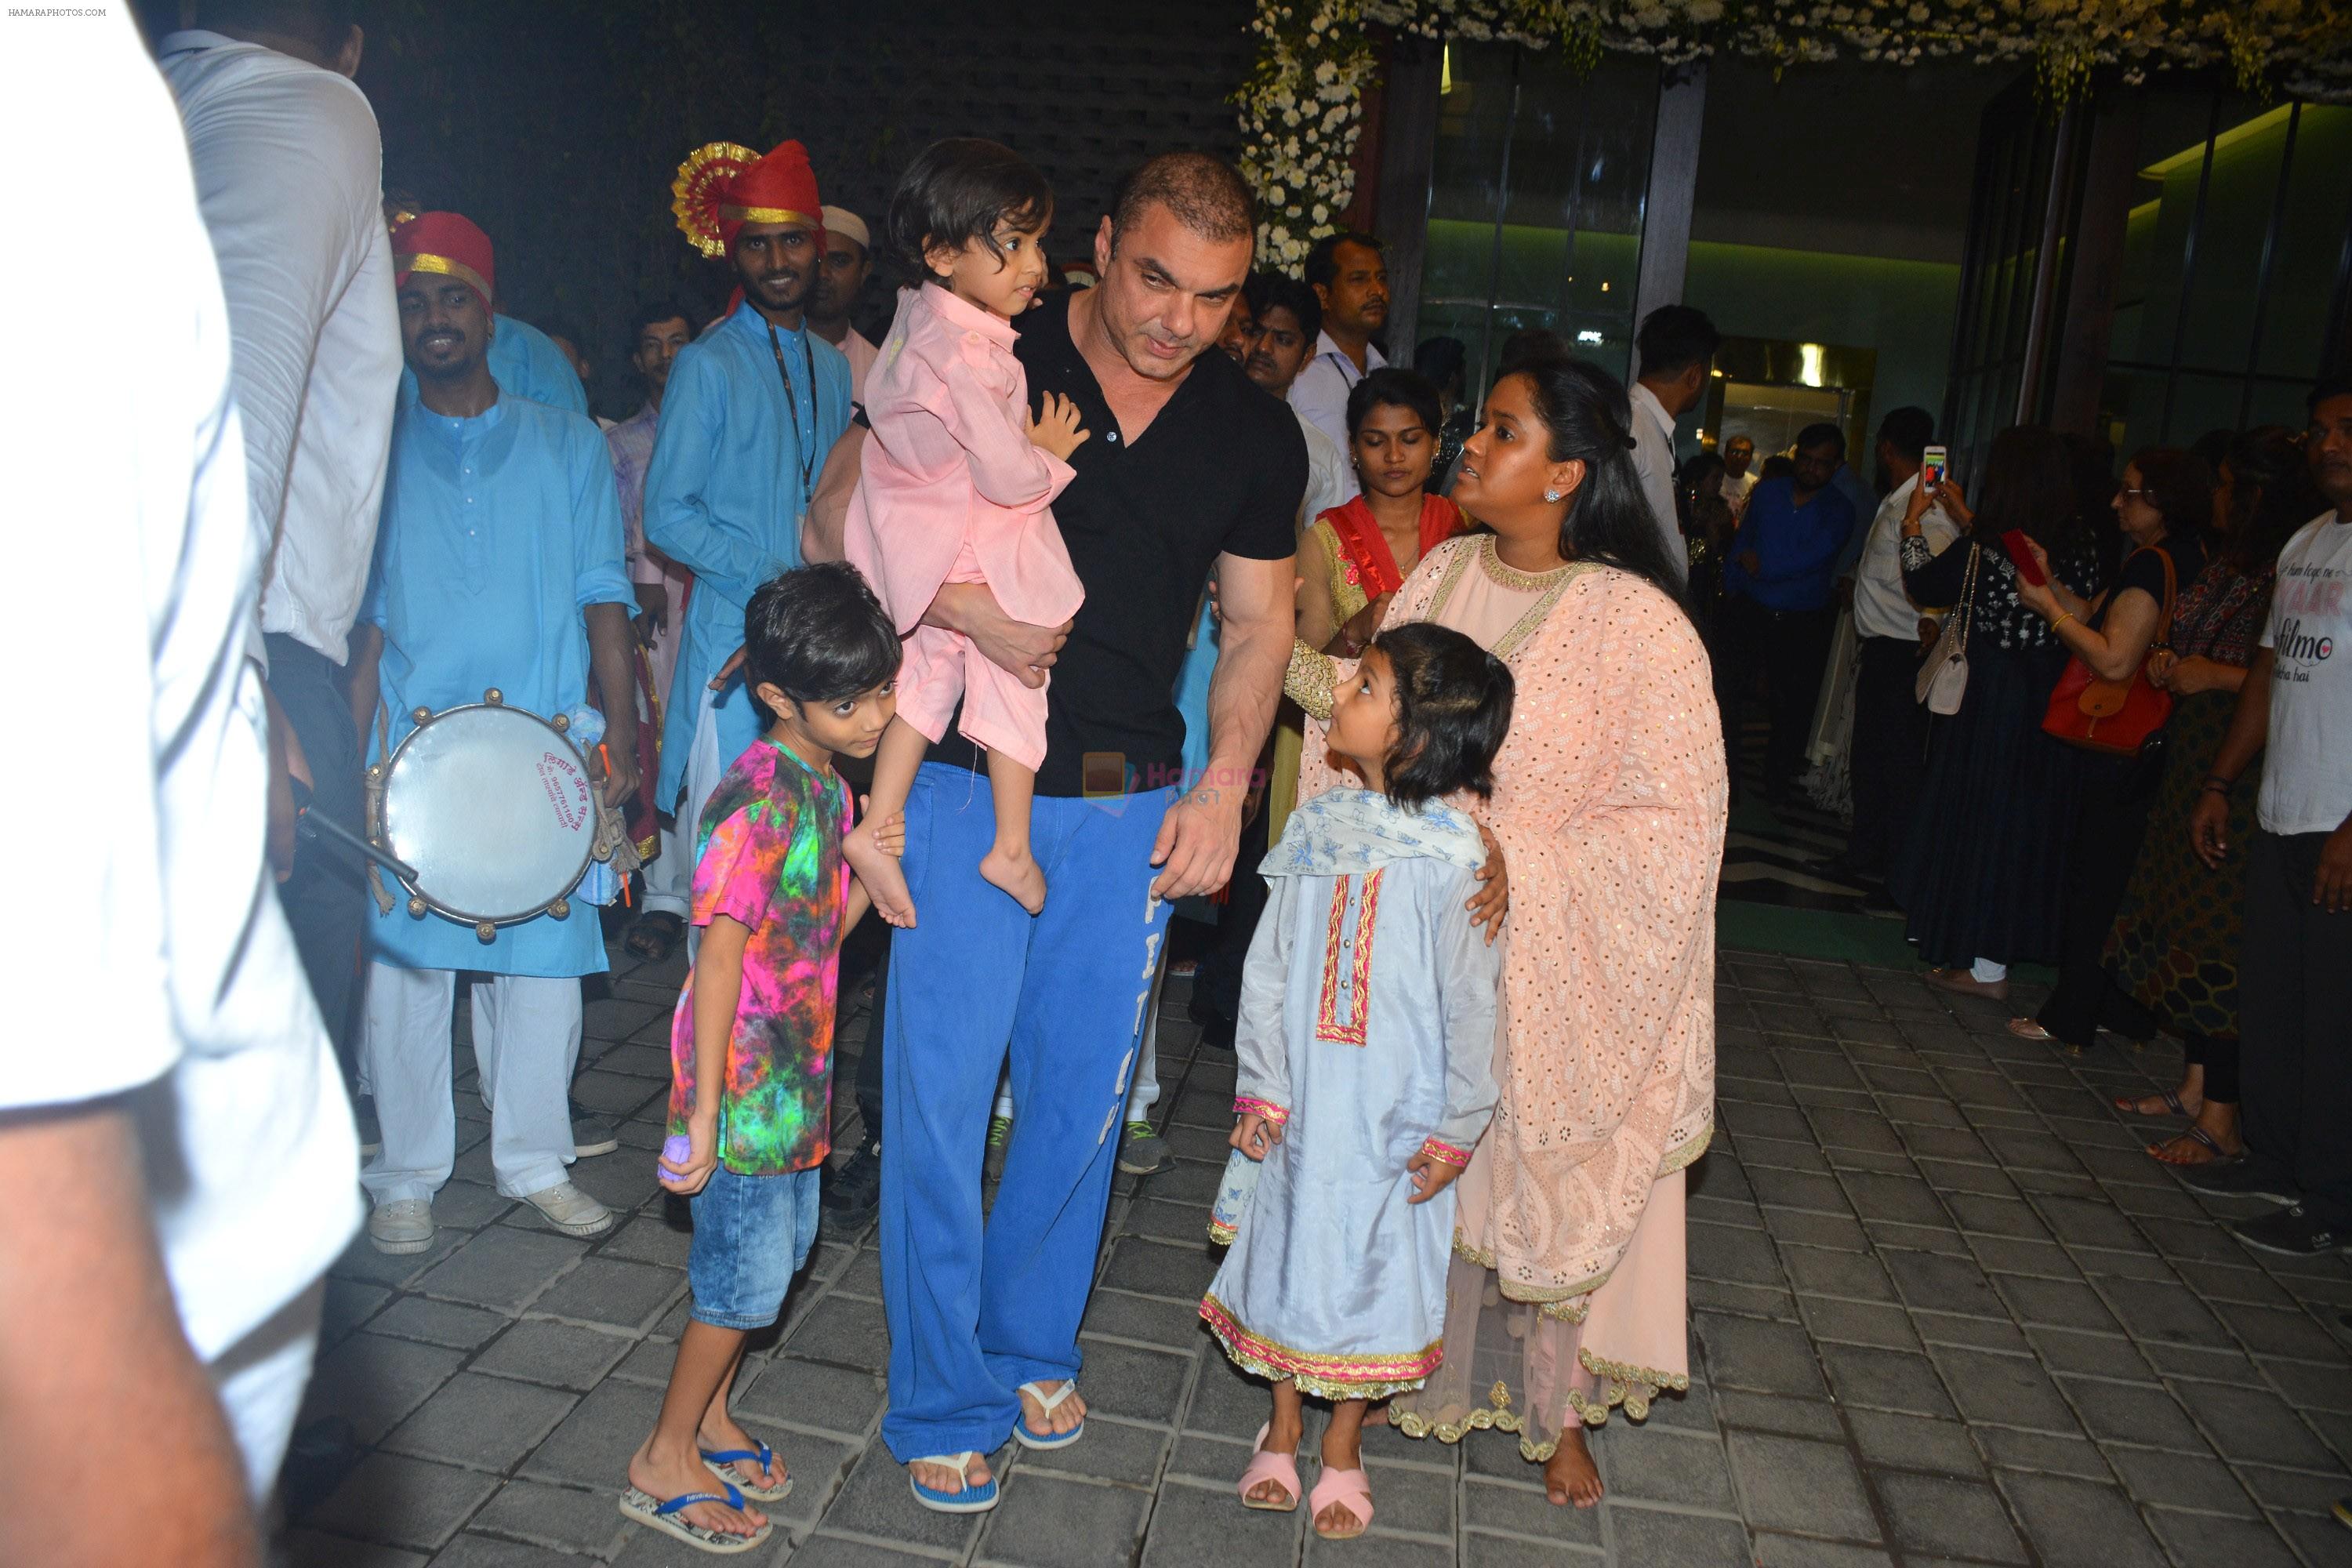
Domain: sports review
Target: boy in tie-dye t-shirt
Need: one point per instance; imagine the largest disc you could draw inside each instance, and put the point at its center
(752, 1042)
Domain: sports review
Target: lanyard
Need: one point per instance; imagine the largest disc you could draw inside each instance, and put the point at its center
(793, 407)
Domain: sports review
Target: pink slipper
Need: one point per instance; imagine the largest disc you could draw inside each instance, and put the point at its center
(1353, 1490)
(1280, 1469)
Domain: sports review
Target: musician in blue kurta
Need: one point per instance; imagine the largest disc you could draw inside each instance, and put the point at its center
(752, 409)
(498, 566)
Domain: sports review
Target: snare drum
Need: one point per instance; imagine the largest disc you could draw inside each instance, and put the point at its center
(492, 808)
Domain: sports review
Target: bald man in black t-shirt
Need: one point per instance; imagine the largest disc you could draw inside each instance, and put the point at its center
(1190, 474)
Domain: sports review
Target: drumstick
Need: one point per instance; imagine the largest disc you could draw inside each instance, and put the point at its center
(605, 757)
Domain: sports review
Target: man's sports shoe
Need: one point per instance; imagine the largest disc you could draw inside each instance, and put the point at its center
(570, 1210)
(851, 1194)
(2292, 1230)
(591, 1135)
(1143, 1151)
(401, 1227)
(1000, 1138)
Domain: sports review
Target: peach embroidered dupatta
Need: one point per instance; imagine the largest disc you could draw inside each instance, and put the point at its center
(1610, 802)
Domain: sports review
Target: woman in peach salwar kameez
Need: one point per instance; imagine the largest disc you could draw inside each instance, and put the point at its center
(1567, 1296)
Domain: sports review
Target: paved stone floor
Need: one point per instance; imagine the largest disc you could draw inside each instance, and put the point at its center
(1944, 1310)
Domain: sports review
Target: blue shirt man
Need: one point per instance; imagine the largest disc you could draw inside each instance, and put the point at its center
(498, 565)
(752, 409)
(734, 467)
(1786, 553)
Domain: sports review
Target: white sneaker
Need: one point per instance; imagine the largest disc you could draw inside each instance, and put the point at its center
(401, 1227)
(570, 1210)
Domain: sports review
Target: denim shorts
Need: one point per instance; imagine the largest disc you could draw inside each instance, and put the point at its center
(752, 1233)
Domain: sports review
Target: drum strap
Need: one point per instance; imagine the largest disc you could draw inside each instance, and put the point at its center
(383, 899)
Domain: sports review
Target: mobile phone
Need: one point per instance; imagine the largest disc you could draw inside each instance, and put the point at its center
(1933, 465)
(2021, 557)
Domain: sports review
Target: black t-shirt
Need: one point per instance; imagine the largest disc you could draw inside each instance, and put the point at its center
(1220, 471)
(2144, 570)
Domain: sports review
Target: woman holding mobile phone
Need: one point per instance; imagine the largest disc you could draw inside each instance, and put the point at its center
(1982, 870)
(2164, 506)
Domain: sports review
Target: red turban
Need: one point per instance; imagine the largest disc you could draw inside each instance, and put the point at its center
(722, 186)
(447, 244)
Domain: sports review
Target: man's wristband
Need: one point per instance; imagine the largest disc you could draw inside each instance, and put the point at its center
(2219, 785)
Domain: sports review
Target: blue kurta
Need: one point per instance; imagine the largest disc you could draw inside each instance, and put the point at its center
(498, 532)
(729, 480)
(525, 362)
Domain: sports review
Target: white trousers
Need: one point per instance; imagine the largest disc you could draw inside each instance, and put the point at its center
(526, 1042)
(669, 881)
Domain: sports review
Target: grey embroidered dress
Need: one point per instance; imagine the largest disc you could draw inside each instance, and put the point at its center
(1367, 1036)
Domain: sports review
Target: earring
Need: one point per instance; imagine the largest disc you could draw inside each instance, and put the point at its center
(1553, 495)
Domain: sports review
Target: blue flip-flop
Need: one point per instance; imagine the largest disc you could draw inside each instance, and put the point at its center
(647, 1510)
(762, 1455)
(972, 1499)
(1029, 1436)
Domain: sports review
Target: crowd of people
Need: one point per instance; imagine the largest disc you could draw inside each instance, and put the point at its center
(2092, 723)
(1231, 616)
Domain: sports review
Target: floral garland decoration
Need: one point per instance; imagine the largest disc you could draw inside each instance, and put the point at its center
(1302, 107)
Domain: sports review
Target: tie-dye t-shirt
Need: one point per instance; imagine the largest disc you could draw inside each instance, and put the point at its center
(770, 856)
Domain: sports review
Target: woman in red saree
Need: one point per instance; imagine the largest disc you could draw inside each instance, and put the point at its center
(1354, 557)
(1568, 1292)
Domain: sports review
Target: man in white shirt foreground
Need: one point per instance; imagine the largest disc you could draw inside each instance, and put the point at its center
(2295, 975)
(1350, 281)
(172, 1127)
(1677, 346)
(289, 167)
(1890, 727)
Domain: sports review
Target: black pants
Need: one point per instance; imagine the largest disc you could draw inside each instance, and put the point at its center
(2294, 994)
(2110, 823)
(1793, 648)
(2220, 1060)
(869, 1058)
(1890, 750)
(1217, 983)
(326, 899)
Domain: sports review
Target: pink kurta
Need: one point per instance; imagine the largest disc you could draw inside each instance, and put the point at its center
(1610, 801)
(952, 490)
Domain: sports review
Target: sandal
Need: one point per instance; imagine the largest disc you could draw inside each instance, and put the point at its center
(2195, 1134)
(722, 1464)
(1353, 1490)
(1280, 1469)
(648, 1510)
(970, 1500)
(2129, 1104)
(2031, 1030)
(653, 942)
(1030, 1437)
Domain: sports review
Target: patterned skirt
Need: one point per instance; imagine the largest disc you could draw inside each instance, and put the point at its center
(2174, 946)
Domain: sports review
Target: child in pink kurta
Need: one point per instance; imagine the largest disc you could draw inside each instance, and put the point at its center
(957, 486)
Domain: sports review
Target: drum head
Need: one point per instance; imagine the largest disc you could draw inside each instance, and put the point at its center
(495, 811)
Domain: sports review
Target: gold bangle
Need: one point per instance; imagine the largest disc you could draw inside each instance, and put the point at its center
(2064, 616)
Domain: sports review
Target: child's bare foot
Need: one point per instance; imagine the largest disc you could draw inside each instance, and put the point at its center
(944, 1479)
(1015, 870)
(667, 1475)
(884, 880)
(1570, 1476)
(720, 1435)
